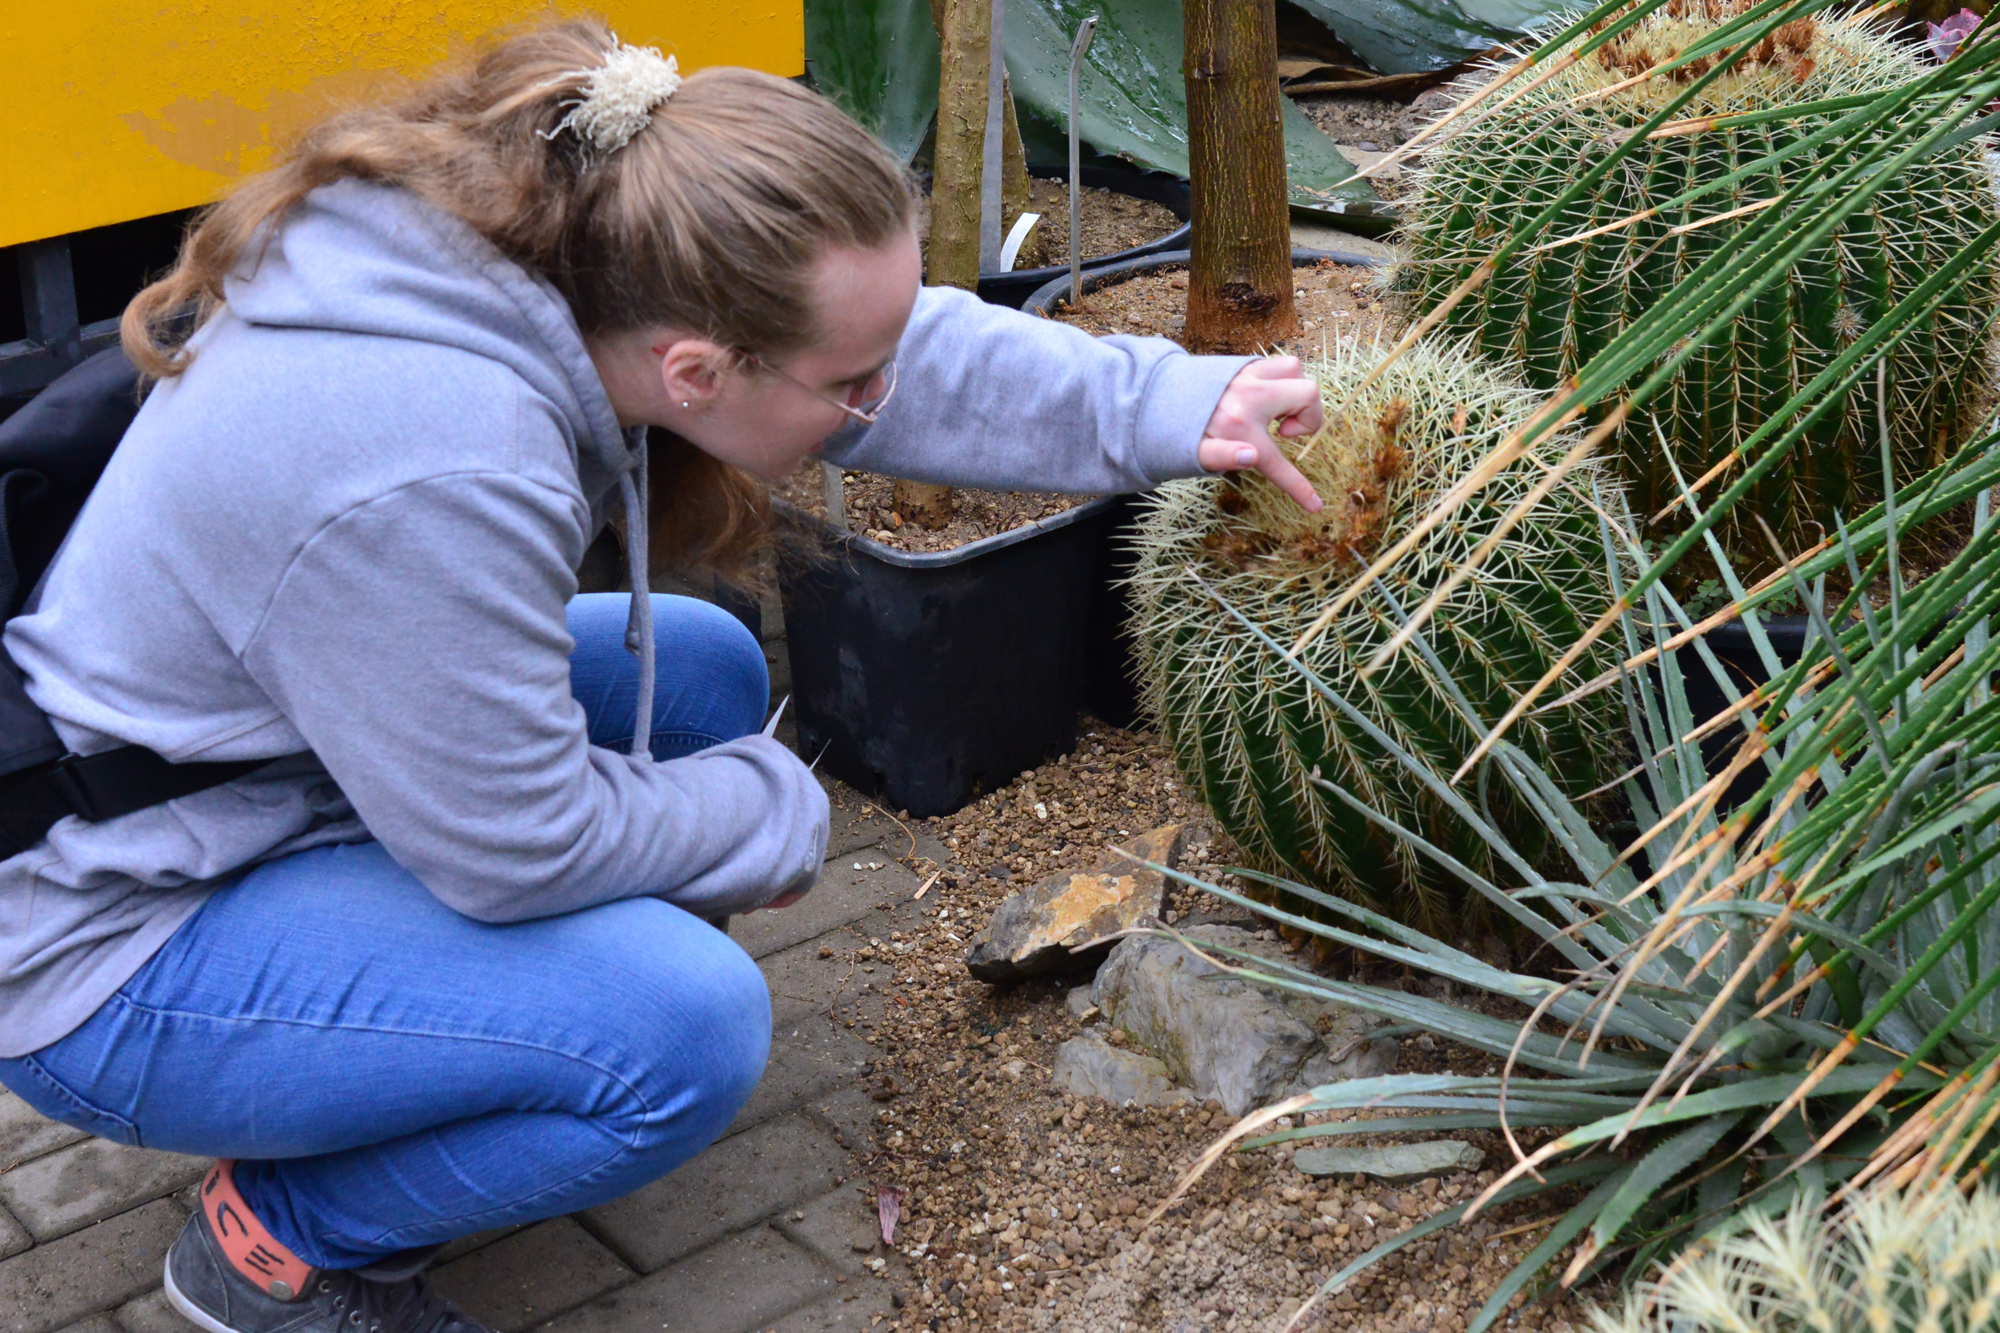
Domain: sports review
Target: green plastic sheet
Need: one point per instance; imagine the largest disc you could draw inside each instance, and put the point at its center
(879, 60)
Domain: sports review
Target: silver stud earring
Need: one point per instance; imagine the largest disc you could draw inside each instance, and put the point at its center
(686, 403)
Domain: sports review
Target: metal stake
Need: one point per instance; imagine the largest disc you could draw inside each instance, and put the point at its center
(836, 495)
(1084, 32)
(990, 161)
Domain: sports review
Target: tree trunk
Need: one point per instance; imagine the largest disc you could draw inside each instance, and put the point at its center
(923, 503)
(1240, 274)
(965, 40)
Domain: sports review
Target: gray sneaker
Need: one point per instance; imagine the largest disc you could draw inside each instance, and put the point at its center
(227, 1275)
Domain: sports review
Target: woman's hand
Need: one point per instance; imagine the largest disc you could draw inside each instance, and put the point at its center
(1238, 436)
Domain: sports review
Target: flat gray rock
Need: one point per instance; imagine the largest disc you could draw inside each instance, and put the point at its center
(1089, 1066)
(1395, 1164)
(1228, 1038)
(1034, 930)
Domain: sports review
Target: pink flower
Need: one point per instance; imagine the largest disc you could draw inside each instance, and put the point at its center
(1946, 37)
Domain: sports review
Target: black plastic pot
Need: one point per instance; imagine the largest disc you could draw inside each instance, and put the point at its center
(1111, 688)
(930, 677)
(1171, 192)
(1732, 647)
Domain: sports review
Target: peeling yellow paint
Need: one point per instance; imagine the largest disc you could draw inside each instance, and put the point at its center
(119, 109)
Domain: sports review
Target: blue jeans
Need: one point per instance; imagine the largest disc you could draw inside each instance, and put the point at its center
(392, 1074)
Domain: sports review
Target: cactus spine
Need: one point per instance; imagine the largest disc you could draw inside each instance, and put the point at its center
(1252, 734)
(1891, 1263)
(1551, 310)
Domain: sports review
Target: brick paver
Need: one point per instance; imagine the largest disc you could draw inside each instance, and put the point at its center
(87, 1272)
(24, 1133)
(741, 1285)
(769, 1231)
(745, 1177)
(531, 1275)
(90, 1181)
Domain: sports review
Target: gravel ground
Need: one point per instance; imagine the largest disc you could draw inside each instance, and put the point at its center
(1109, 221)
(1024, 1207)
(1332, 299)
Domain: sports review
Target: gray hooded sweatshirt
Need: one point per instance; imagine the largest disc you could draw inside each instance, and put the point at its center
(348, 534)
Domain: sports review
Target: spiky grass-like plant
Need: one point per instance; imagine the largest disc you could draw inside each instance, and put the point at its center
(1788, 1000)
(1680, 198)
(1254, 735)
(1897, 1262)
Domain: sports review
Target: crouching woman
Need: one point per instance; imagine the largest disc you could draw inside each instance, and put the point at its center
(441, 963)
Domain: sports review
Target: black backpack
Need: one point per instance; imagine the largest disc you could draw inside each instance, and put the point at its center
(52, 452)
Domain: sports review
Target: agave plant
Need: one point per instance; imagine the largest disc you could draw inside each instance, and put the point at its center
(1740, 137)
(1248, 730)
(1897, 1262)
(1750, 1007)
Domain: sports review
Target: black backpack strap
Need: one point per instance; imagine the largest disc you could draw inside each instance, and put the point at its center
(98, 787)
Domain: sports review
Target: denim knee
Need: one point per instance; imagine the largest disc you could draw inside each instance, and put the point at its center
(729, 653)
(694, 1052)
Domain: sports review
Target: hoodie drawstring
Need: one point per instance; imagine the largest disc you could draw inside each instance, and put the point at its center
(639, 624)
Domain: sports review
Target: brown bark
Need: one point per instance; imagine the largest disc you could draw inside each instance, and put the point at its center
(965, 41)
(1240, 272)
(964, 38)
(924, 504)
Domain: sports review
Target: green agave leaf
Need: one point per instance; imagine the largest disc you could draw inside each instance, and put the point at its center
(1133, 103)
(1564, 1231)
(878, 60)
(1653, 1172)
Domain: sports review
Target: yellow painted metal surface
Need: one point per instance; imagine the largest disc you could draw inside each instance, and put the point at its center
(119, 109)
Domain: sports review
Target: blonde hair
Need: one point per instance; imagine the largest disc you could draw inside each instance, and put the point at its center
(711, 219)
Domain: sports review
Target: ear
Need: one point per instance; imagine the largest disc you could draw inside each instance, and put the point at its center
(691, 369)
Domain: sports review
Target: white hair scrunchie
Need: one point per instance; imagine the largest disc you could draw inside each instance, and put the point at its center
(618, 96)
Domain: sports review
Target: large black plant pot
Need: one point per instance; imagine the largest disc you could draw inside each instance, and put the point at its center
(1171, 192)
(930, 677)
(1732, 646)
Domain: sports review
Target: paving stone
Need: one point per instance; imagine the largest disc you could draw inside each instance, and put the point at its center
(88, 1271)
(854, 822)
(803, 983)
(88, 1182)
(14, 1237)
(26, 1132)
(743, 1285)
(843, 894)
(857, 1307)
(733, 1184)
(97, 1323)
(531, 1275)
(464, 1245)
(152, 1313)
(841, 1226)
(810, 1057)
(850, 1115)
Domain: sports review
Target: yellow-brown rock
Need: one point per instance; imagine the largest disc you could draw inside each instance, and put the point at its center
(1035, 930)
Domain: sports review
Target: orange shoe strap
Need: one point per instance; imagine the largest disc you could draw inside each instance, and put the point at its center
(254, 1252)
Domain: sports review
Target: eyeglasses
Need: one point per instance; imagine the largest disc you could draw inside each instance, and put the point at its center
(867, 411)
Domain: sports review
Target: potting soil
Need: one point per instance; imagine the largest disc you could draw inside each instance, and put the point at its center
(871, 510)
(1109, 221)
(1023, 1206)
(1332, 299)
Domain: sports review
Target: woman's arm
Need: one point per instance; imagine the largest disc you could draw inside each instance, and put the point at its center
(994, 398)
(418, 644)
